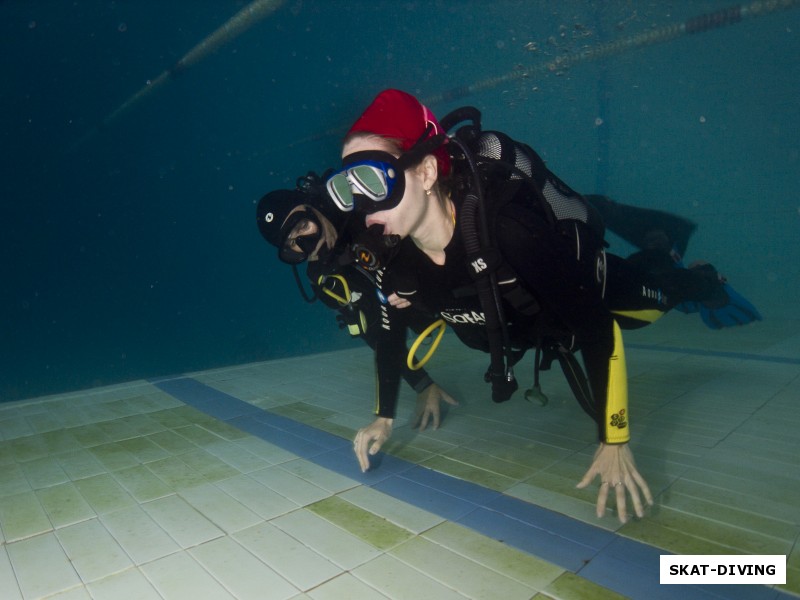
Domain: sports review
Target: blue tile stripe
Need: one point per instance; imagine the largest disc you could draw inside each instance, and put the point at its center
(623, 565)
(786, 360)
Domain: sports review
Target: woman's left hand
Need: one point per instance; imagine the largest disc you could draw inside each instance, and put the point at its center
(428, 406)
(397, 301)
(615, 465)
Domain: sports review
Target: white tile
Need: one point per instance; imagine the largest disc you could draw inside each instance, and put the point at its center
(257, 497)
(240, 572)
(22, 515)
(393, 510)
(78, 464)
(43, 472)
(237, 456)
(8, 581)
(296, 562)
(127, 585)
(295, 488)
(103, 493)
(220, 508)
(41, 566)
(138, 534)
(12, 479)
(142, 484)
(398, 581)
(525, 568)
(93, 550)
(325, 538)
(345, 586)
(64, 504)
(178, 576)
(181, 521)
(77, 593)
(6, 458)
(468, 577)
(44, 422)
(14, 426)
(265, 451)
(319, 476)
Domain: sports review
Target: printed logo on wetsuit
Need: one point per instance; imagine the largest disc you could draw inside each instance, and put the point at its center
(619, 420)
(464, 318)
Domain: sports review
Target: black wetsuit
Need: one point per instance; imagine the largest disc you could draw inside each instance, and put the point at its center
(584, 295)
(361, 315)
(545, 262)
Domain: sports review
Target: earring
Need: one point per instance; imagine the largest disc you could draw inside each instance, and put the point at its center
(427, 192)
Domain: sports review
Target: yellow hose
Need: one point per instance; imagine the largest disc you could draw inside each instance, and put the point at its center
(422, 336)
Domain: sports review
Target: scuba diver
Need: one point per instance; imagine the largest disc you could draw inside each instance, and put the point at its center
(513, 259)
(342, 268)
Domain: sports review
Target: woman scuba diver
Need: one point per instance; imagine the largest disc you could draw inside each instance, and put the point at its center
(509, 256)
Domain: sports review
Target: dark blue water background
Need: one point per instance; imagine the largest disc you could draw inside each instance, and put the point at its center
(132, 252)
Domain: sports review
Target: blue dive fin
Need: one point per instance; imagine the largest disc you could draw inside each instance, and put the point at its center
(737, 311)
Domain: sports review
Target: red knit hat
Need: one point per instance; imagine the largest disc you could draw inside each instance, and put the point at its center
(398, 115)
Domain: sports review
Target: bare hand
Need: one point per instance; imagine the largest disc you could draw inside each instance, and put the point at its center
(397, 301)
(375, 434)
(615, 465)
(428, 406)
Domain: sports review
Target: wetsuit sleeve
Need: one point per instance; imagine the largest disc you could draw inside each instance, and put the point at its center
(354, 297)
(418, 380)
(547, 264)
(390, 350)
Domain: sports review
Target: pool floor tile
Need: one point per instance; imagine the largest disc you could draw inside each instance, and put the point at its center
(230, 482)
(371, 528)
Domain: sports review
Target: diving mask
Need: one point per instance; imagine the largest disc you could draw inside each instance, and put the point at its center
(375, 178)
(302, 232)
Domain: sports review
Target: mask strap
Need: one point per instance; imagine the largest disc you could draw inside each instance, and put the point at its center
(421, 149)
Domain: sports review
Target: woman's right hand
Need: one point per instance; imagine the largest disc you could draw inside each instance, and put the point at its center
(614, 465)
(368, 441)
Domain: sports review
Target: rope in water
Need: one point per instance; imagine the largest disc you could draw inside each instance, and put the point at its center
(699, 24)
(232, 28)
(661, 35)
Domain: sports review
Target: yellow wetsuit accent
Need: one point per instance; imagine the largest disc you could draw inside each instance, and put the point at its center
(616, 417)
(646, 315)
(377, 410)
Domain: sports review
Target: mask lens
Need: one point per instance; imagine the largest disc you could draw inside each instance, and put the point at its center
(371, 180)
(339, 190)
